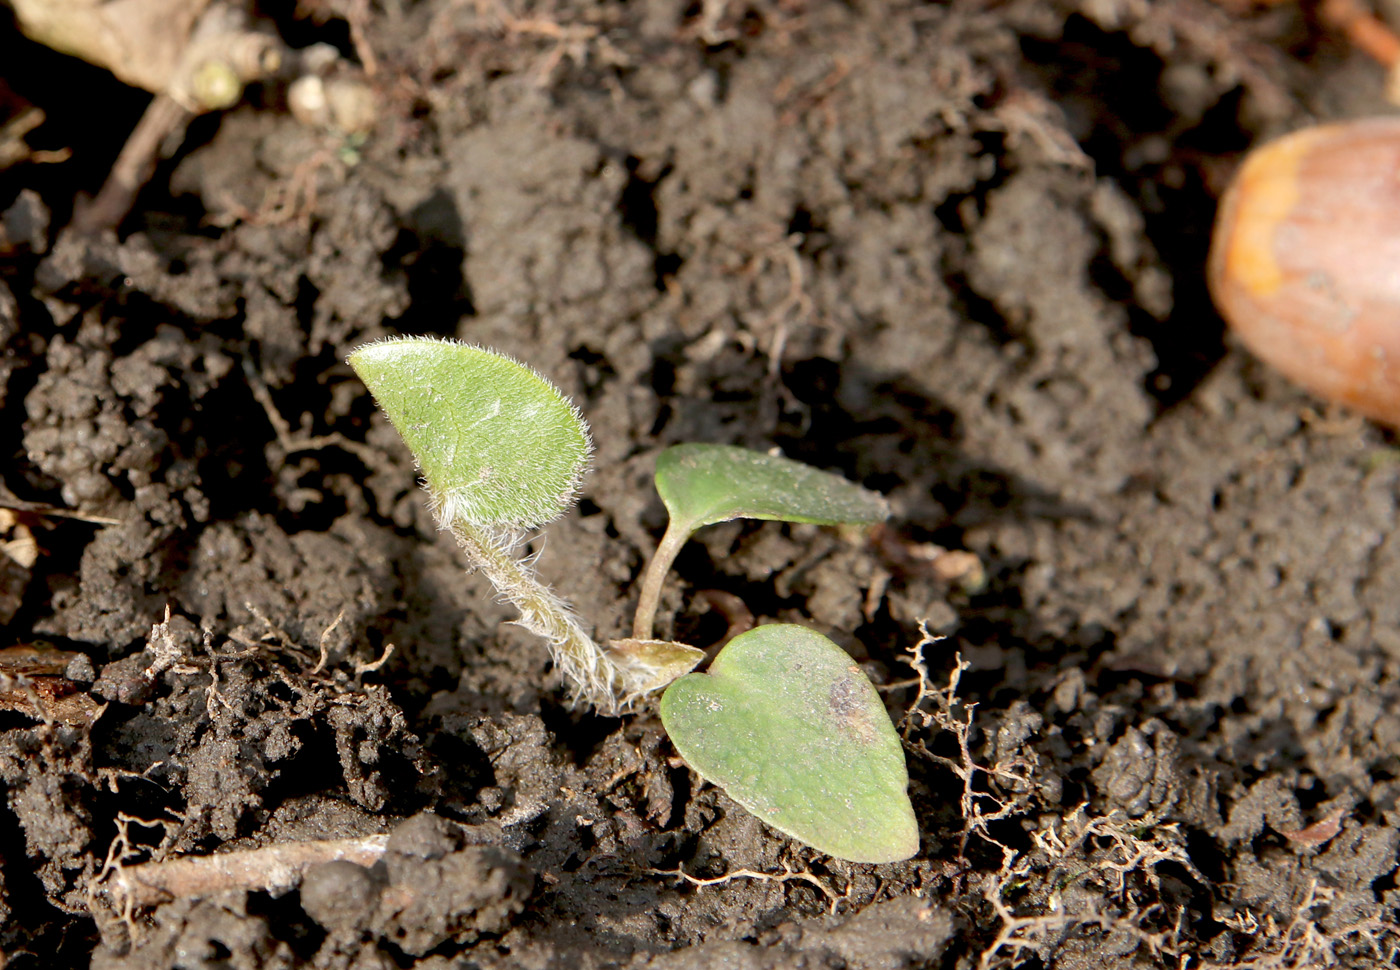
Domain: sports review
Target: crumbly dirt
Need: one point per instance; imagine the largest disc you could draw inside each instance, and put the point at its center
(954, 252)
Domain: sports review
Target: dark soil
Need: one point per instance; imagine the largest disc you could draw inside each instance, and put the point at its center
(953, 252)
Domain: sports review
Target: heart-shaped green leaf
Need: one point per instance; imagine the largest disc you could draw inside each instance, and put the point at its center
(497, 444)
(702, 484)
(791, 728)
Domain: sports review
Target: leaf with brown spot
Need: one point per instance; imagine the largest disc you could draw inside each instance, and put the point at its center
(789, 726)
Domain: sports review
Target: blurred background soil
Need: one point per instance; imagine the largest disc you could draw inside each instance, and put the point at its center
(952, 251)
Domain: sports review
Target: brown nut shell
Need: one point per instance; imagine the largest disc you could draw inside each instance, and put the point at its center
(1305, 261)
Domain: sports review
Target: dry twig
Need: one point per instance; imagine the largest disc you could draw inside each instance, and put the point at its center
(273, 869)
(164, 118)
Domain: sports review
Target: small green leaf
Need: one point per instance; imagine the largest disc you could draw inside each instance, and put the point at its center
(791, 728)
(703, 484)
(497, 443)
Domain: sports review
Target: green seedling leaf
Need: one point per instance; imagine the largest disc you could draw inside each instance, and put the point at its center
(497, 444)
(703, 484)
(791, 728)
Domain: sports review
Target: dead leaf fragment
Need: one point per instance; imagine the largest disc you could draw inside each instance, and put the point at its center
(1319, 832)
(33, 683)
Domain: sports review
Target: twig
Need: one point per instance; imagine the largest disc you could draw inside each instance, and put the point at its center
(574, 41)
(273, 630)
(1137, 855)
(795, 300)
(9, 500)
(134, 166)
(274, 869)
(795, 303)
(814, 96)
(712, 13)
(118, 851)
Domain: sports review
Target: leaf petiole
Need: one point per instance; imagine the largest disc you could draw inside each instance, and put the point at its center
(677, 535)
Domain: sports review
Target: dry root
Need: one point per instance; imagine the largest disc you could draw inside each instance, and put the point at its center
(980, 806)
(787, 875)
(1302, 943)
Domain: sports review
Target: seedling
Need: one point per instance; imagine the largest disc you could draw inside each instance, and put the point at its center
(784, 720)
(501, 451)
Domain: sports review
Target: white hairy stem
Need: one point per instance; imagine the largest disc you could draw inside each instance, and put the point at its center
(591, 675)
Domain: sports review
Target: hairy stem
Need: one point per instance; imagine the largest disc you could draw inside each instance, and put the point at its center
(660, 565)
(590, 673)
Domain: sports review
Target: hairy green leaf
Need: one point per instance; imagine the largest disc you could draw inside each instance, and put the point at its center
(497, 444)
